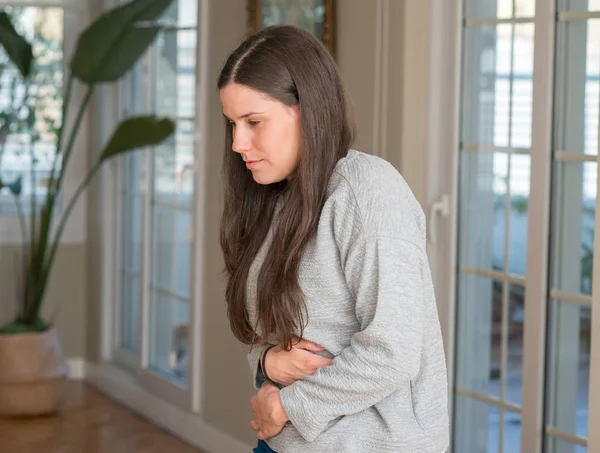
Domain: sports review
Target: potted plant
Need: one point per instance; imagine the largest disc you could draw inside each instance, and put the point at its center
(32, 366)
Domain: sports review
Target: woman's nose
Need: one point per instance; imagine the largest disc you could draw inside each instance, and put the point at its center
(241, 143)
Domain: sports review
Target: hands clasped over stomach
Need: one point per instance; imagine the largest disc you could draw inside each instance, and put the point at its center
(287, 367)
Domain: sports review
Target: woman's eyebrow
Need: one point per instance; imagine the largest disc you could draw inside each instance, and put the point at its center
(245, 115)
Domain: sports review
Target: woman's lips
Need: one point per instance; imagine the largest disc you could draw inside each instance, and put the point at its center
(252, 163)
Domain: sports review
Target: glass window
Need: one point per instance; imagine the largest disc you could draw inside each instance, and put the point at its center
(31, 110)
(163, 83)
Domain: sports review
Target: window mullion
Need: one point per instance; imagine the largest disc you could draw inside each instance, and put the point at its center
(594, 392)
(536, 294)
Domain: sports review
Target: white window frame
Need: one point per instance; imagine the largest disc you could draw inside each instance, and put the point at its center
(75, 19)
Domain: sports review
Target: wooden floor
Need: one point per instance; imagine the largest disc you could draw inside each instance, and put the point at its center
(89, 423)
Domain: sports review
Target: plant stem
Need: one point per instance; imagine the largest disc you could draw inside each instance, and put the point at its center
(52, 189)
(69, 149)
(2, 141)
(23, 230)
(32, 231)
(69, 208)
(19, 289)
(21, 214)
(33, 218)
(44, 277)
(33, 195)
(65, 110)
(46, 223)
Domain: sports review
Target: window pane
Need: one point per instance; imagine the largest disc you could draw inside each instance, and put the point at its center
(163, 241)
(485, 103)
(176, 66)
(173, 176)
(579, 5)
(479, 333)
(512, 433)
(577, 86)
(130, 306)
(132, 232)
(519, 207)
(524, 8)
(32, 138)
(477, 426)
(160, 333)
(568, 370)
(168, 336)
(501, 9)
(181, 13)
(573, 226)
(181, 346)
(171, 250)
(482, 221)
(136, 86)
(134, 171)
(514, 360)
(497, 85)
(183, 250)
(521, 86)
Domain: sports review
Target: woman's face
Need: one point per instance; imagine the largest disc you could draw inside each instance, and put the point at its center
(266, 132)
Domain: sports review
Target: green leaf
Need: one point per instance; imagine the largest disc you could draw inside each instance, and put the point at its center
(134, 43)
(138, 132)
(112, 44)
(16, 327)
(17, 48)
(16, 187)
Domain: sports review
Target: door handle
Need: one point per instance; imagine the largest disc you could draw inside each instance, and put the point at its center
(440, 207)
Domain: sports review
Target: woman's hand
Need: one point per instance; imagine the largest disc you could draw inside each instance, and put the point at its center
(269, 416)
(287, 367)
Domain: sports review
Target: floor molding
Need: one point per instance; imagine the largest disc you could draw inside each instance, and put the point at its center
(123, 388)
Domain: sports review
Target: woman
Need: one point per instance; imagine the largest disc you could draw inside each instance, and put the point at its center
(328, 279)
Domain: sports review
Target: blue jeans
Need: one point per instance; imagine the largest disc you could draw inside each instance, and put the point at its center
(262, 447)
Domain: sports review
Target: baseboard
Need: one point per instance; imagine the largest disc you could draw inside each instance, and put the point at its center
(123, 388)
(77, 368)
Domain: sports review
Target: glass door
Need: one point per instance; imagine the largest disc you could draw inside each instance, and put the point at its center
(526, 200)
(574, 190)
(494, 179)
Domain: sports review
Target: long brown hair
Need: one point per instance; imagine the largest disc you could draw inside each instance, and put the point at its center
(292, 66)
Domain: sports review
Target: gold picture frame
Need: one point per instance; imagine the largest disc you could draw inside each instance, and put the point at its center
(263, 13)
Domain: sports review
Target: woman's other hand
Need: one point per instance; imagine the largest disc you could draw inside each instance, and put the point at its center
(287, 367)
(269, 416)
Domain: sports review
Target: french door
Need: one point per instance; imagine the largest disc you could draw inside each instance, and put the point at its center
(154, 315)
(525, 190)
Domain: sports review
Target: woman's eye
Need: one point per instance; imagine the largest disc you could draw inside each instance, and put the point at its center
(253, 123)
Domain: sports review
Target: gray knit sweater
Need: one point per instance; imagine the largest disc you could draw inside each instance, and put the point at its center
(371, 305)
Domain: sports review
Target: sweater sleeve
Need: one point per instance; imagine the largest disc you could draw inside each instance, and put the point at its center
(384, 276)
(253, 360)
